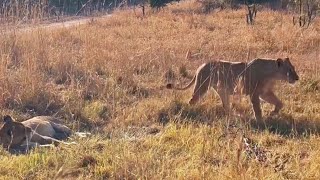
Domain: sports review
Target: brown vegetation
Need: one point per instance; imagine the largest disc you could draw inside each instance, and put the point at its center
(107, 77)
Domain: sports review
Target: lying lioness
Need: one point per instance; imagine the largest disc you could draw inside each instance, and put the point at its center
(38, 130)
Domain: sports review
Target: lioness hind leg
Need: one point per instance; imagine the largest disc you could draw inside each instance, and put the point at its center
(61, 136)
(200, 88)
(225, 99)
(256, 106)
(271, 98)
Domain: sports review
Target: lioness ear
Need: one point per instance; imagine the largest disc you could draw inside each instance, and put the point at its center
(279, 62)
(286, 59)
(7, 119)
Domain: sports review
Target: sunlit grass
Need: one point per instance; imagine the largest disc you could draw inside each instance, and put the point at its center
(107, 77)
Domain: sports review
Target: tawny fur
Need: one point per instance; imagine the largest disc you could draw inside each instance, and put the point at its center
(38, 130)
(255, 79)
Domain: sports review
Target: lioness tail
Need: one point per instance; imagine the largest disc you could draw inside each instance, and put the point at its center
(171, 86)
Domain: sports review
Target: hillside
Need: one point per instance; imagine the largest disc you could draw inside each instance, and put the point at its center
(107, 77)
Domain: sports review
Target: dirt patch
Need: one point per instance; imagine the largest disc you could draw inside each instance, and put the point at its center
(66, 23)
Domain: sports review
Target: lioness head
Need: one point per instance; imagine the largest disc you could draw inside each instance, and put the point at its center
(287, 71)
(13, 133)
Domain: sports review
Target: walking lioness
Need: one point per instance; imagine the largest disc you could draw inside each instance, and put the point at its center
(255, 79)
(38, 130)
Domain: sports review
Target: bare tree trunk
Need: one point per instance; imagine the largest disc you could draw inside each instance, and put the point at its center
(83, 7)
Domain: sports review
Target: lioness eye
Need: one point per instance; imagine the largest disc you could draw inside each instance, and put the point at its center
(9, 133)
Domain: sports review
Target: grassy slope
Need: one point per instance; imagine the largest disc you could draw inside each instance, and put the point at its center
(106, 77)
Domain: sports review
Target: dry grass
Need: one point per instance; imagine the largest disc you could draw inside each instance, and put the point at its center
(107, 77)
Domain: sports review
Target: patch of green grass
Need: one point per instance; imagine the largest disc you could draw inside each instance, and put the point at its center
(108, 77)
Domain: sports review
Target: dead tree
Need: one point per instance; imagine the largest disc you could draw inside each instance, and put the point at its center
(304, 19)
(252, 13)
(143, 9)
(83, 7)
(141, 4)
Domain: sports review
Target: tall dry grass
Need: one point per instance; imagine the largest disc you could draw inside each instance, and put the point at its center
(107, 77)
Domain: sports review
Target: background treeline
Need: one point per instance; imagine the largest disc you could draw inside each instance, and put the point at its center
(39, 9)
(29, 8)
(12, 10)
(273, 4)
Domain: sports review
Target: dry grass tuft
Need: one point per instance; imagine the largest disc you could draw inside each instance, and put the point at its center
(87, 161)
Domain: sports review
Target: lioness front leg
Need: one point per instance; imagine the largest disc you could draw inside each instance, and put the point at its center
(43, 139)
(271, 98)
(255, 100)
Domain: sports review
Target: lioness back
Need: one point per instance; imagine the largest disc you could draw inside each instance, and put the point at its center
(221, 75)
(228, 73)
(40, 126)
(47, 126)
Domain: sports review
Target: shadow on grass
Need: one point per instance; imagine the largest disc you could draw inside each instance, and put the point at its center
(183, 113)
(287, 125)
(283, 124)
